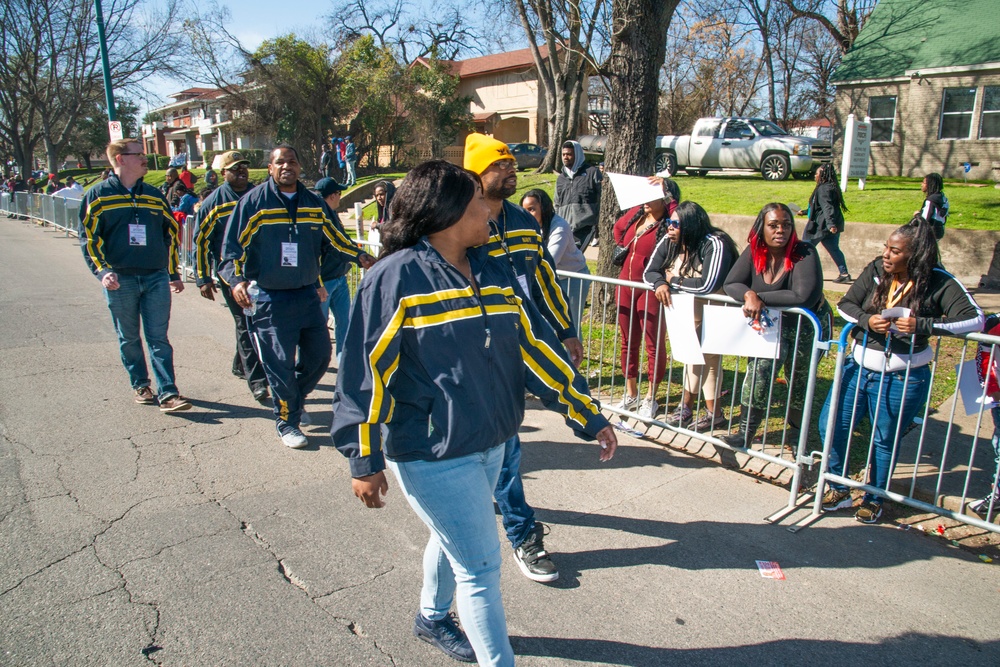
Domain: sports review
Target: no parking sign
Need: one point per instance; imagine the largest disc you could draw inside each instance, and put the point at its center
(115, 130)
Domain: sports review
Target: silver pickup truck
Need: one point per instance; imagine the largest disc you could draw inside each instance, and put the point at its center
(741, 143)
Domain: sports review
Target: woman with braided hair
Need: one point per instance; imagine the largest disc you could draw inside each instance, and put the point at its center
(887, 376)
(826, 218)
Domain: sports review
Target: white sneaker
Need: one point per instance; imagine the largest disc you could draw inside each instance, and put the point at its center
(595, 243)
(649, 408)
(627, 403)
(304, 418)
(294, 439)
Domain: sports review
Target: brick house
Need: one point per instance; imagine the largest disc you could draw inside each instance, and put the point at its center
(507, 100)
(927, 73)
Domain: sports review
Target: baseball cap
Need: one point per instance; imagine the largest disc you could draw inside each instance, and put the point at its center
(230, 159)
(326, 186)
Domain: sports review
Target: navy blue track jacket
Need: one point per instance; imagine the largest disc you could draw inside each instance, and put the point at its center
(517, 237)
(210, 229)
(131, 233)
(443, 368)
(263, 221)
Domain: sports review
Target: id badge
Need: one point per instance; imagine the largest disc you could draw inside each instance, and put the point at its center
(137, 234)
(523, 282)
(289, 254)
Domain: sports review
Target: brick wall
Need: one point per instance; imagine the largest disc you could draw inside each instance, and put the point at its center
(915, 148)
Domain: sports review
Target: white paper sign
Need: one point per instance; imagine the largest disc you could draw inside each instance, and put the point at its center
(634, 190)
(893, 313)
(970, 389)
(684, 344)
(725, 331)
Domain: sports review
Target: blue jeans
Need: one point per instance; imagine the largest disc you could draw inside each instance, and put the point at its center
(576, 291)
(518, 517)
(832, 244)
(145, 299)
(896, 405)
(338, 302)
(462, 558)
(996, 447)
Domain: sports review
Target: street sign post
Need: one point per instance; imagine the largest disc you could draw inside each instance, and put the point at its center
(857, 151)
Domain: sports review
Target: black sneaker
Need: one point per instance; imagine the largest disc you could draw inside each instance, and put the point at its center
(445, 635)
(843, 278)
(531, 557)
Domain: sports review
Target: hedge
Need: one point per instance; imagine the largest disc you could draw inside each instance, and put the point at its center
(156, 162)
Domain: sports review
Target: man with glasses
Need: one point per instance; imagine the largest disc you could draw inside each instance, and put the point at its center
(517, 239)
(129, 240)
(210, 229)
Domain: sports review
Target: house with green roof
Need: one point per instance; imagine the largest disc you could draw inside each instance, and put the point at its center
(927, 74)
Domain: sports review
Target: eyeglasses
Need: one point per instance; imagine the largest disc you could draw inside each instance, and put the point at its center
(139, 154)
(505, 165)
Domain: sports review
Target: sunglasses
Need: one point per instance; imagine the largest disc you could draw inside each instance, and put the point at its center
(673, 224)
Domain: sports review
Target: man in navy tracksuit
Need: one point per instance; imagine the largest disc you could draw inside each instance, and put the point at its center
(209, 231)
(129, 239)
(278, 235)
(517, 238)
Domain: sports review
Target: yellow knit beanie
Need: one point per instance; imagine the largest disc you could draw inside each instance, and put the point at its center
(481, 151)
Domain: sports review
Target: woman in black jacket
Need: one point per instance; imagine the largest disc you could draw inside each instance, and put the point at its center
(777, 269)
(935, 208)
(826, 218)
(693, 257)
(888, 377)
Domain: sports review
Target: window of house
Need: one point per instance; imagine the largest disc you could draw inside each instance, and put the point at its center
(989, 125)
(882, 112)
(956, 113)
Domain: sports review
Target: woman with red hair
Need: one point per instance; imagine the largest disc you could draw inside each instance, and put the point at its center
(777, 269)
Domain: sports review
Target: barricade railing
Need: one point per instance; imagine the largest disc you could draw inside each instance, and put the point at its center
(941, 467)
(63, 213)
(606, 328)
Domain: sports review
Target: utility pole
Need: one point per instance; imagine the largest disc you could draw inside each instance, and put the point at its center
(109, 94)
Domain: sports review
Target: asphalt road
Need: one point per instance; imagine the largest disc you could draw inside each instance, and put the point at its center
(129, 537)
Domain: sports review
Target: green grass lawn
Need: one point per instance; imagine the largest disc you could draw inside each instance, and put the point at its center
(885, 200)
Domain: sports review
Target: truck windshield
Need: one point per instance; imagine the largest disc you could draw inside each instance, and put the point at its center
(766, 128)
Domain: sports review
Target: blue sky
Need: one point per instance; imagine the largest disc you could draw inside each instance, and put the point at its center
(253, 21)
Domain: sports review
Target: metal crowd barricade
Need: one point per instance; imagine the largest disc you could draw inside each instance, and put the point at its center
(937, 470)
(602, 341)
(59, 212)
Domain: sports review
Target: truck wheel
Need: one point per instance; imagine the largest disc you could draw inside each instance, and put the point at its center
(804, 175)
(666, 162)
(775, 167)
(696, 172)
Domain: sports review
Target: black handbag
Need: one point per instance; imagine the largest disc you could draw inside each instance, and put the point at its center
(621, 254)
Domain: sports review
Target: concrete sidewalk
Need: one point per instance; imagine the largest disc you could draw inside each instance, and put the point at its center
(132, 537)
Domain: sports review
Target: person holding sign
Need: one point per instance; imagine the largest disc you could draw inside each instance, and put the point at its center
(638, 231)
(777, 269)
(694, 257)
(898, 302)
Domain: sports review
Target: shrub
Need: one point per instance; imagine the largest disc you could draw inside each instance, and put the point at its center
(156, 162)
(254, 155)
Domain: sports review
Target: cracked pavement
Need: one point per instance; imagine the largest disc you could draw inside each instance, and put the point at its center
(130, 537)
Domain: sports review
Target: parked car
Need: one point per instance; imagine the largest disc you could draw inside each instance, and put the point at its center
(741, 143)
(528, 156)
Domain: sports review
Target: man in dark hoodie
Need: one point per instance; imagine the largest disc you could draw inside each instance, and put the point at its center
(578, 193)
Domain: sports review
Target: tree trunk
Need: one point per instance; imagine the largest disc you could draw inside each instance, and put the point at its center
(638, 48)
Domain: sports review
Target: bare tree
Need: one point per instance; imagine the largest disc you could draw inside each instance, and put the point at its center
(406, 29)
(50, 70)
(566, 29)
(850, 17)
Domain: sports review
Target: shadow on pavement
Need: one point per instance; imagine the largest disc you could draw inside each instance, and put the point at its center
(922, 649)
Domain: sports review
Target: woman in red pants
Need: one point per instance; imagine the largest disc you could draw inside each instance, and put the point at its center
(640, 229)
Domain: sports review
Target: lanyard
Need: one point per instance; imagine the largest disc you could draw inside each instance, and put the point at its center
(502, 233)
(897, 292)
